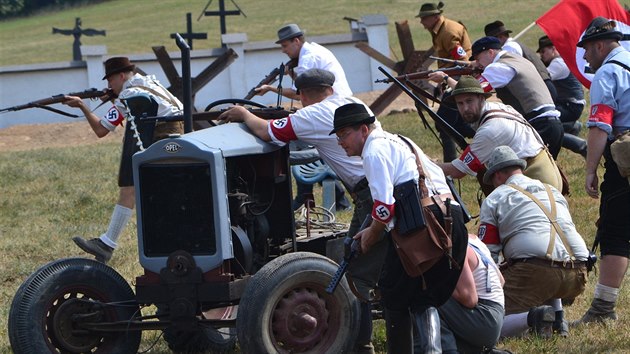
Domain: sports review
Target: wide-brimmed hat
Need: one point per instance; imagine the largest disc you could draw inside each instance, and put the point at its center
(430, 8)
(467, 84)
(117, 65)
(502, 157)
(314, 78)
(543, 42)
(495, 28)
(351, 114)
(289, 31)
(483, 44)
(600, 28)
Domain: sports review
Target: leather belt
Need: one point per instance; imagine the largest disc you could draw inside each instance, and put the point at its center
(534, 114)
(549, 263)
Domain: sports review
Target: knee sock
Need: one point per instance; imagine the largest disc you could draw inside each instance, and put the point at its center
(120, 218)
(606, 293)
(514, 325)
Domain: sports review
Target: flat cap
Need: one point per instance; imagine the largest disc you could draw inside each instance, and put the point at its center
(484, 44)
(314, 78)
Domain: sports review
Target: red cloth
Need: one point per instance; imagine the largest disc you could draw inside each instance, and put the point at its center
(565, 24)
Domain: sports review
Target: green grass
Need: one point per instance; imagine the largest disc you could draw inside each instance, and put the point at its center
(50, 195)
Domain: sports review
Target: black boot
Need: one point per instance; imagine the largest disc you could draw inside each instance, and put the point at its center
(575, 144)
(560, 325)
(428, 325)
(364, 339)
(399, 331)
(540, 320)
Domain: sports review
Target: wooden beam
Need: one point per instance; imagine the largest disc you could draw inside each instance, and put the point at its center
(213, 70)
(168, 67)
(405, 39)
(376, 55)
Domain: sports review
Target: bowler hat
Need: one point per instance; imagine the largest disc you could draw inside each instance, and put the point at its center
(502, 157)
(429, 9)
(600, 28)
(467, 84)
(495, 28)
(351, 114)
(543, 42)
(117, 65)
(289, 31)
(314, 78)
(484, 44)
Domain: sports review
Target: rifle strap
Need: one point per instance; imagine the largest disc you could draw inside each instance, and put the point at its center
(57, 111)
(167, 96)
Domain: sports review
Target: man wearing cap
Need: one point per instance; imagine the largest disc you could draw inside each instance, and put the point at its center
(545, 257)
(308, 55)
(312, 125)
(121, 79)
(497, 29)
(389, 161)
(609, 118)
(497, 124)
(518, 84)
(451, 41)
(570, 98)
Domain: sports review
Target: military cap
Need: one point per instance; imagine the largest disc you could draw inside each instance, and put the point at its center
(600, 28)
(502, 157)
(289, 31)
(484, 44)
(495, 28)
(314, 78)
(351, 114)
(429, 9)
(467, 84)
(117, 65)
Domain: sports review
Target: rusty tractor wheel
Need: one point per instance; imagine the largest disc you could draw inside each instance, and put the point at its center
(285, 308)
(50, 306)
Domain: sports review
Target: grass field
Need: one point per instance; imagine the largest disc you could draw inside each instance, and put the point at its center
(49, 195)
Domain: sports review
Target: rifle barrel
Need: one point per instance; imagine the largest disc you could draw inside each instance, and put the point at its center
(423, 75)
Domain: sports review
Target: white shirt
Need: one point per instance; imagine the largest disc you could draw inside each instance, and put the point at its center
(512, 46)
(558, 69)
(315, 56)
(512, 222)
(312, 125)
(486, 276)
(167, 103)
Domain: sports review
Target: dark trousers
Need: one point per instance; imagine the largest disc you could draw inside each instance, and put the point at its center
(551, 131)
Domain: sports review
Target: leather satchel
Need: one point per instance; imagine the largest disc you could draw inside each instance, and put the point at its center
(421, 248)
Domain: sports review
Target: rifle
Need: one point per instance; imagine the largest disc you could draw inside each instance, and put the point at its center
(264, 113)
(271, 77)
(451, 61)
(423, 75)
(353, 249)
(105, 95)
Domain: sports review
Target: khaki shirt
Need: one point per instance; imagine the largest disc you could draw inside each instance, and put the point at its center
(447, 36)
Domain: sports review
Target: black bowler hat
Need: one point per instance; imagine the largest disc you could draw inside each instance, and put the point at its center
(289, 31)
(351, 114)
(314, 78)
(483, 44)
(543, 42)
(117, 65)
(600, 28)
(495, 28)
(430, 9)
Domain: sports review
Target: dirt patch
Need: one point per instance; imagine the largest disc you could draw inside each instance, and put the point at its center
(37, 136)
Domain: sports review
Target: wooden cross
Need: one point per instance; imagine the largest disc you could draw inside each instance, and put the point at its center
(413, 61)
(77, 32)
(189, 35)
(222, 13)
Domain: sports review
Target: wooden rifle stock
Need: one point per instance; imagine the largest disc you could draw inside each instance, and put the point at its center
(423, 75)
(105, 94)
(270, 78)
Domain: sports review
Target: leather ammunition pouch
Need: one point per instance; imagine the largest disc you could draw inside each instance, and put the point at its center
(408, 211)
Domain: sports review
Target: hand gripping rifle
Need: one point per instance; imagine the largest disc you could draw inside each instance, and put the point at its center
(105, 95)
(353, 248)
(271, 77)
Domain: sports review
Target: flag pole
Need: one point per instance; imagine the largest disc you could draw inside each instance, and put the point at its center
(524, 30)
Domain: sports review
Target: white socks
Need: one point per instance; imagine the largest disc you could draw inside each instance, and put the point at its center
(606, 293)
(120, 218)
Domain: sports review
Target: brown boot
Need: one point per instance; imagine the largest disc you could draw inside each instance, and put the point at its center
(599, 311)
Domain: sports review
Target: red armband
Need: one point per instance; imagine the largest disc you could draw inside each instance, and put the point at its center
(600, 113)
(114, 116)
(282, 129)
(489, 234)
(382, 212)
(458, 53)
(470, 160)
(485, 84)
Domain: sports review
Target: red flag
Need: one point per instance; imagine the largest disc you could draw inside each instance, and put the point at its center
(565, 24)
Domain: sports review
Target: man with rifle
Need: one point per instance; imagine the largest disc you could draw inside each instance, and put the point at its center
(312, 124)
(125, 84)
(497, 124)
(451, 41)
